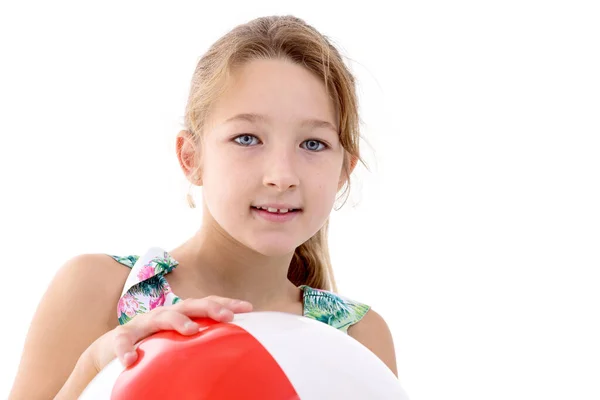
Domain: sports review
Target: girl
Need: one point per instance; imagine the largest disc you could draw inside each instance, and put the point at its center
(272, 136)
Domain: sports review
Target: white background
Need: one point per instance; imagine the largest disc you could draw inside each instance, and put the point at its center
(476, 234)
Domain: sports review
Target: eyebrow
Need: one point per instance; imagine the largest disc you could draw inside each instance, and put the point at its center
(307, 123)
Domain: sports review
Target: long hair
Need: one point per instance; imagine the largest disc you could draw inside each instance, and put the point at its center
(289, 38)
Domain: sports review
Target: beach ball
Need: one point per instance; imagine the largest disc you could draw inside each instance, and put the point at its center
(258, 355)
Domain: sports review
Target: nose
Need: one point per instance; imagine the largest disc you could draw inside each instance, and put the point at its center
(281, 171)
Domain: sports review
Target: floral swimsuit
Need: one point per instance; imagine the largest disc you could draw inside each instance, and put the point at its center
(147, 288)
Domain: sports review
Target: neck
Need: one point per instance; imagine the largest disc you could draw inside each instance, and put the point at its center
(214, 263)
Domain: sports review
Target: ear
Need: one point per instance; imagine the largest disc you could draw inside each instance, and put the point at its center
(188, 154)
(350, 162)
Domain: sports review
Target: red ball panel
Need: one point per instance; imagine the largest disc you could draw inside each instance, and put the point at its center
(223, 361)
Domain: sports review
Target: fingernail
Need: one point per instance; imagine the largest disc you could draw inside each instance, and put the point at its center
(128, 358)
(224, 312)
(190, 324)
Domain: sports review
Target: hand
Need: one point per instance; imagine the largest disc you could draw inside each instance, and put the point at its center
(121, 341)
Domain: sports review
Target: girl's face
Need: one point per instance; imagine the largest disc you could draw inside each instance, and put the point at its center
(271, 142)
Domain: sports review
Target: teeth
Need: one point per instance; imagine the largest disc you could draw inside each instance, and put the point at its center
(276, 210)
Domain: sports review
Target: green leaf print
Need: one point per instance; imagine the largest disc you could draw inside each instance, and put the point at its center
(332, 309)
(164, 264)
(123, 319)
(128, 261)
(150, 287)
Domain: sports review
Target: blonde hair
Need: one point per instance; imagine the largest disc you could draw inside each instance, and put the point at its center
(289, 38)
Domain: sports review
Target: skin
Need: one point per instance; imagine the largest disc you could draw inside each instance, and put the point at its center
(286, 160)
(235, 255)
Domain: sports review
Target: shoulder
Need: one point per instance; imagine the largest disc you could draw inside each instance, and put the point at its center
(359, 320)
(95, 277)
(373, 332)
(98, 277)
(77, 308)
(104, 267)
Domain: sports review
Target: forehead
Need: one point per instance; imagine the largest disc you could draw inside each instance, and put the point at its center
(280, 89)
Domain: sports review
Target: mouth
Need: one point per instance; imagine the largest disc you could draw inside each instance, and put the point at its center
(277, 210)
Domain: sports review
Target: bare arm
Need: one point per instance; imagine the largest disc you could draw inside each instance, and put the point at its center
(75, 331)
(78, 307)
(372, 331)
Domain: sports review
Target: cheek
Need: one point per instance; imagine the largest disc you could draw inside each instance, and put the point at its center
(325, 187)
(225, 187)
(329, 195)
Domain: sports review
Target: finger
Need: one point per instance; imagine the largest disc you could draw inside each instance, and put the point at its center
(164, 319)
(145, 325)
(235, 305)
(205, 308)
(177, 318)
(174, 320)
(123, 344)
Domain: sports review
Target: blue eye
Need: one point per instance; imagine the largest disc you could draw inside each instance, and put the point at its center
(246, 140)
(314, 145)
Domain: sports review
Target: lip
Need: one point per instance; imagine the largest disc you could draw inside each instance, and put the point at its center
(275, 217)
(278, 206)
